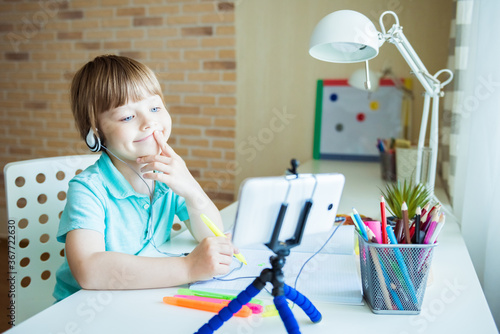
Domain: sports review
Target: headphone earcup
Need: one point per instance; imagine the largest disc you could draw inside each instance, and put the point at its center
(93, 142)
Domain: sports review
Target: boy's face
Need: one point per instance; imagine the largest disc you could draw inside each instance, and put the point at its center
(128, 130)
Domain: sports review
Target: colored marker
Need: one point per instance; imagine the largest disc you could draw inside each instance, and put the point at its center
(256, 308)
(371, 236)
(189, 292)
(374, 227)
(204, 306)
(218, 233)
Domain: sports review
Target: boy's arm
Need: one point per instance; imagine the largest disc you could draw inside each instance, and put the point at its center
(197, 203)
(95, 268)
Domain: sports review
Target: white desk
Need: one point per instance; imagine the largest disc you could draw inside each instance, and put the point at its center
(453, 303)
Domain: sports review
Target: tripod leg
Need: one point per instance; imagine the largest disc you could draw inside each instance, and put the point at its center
(304, 303)
(234, 306)
(291, 324)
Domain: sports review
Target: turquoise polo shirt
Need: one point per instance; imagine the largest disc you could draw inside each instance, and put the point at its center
(102, 200)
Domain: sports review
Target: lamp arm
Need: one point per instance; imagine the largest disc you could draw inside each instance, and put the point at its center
(433, 90)
(396, 36)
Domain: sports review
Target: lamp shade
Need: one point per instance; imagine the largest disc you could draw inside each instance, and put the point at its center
(344, 36)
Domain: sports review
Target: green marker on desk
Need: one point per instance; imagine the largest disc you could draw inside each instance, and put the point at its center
(218, 233)
(189, 292)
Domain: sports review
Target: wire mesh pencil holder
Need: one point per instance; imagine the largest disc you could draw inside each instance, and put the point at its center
(394, 277)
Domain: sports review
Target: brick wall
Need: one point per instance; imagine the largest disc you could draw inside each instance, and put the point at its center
(190, 44)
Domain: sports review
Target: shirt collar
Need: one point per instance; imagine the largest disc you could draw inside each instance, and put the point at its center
(116, 183)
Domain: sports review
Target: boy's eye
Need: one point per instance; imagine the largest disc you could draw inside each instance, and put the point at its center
(128, 118)
(155, 109)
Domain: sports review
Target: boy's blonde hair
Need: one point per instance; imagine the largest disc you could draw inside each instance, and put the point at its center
(108, 82)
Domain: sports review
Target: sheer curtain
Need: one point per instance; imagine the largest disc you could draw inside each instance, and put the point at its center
(476, 184)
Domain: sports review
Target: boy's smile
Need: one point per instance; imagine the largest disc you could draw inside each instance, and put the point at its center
(128, 130)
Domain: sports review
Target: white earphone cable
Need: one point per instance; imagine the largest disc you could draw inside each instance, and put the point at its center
(150, 234)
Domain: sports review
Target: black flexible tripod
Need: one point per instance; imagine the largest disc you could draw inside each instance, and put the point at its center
(275, 276)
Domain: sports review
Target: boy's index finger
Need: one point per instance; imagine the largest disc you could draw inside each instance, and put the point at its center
(165, 148)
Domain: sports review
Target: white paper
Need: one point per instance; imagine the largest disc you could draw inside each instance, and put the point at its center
(330, 276)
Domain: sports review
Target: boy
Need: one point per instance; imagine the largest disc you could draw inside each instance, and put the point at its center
(125, 203)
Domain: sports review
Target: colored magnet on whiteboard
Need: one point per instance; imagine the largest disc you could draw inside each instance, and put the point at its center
(360, 117)
(374, 105)
(333, 97)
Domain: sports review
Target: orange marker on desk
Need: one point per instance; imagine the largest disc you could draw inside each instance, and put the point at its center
(204, 306)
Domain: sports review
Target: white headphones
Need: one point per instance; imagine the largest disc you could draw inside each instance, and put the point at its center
(93, 142)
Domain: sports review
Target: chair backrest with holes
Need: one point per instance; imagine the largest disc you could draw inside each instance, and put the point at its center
(36, 195)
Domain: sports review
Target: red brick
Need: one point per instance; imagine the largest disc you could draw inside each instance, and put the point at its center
(17, 56)
(197, 31)
(87, 45)
(207, 153)
(148, 21)
(220, 133)
(70, 15)
(187, 131)
(135, 11)
(6, 27)
(70, 35)
(198, 8)
(35, 104)
(225, 6)
(220, 196)
(134, 54)
(183, 110)
(219, 65)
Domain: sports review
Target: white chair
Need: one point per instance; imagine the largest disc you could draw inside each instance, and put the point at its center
(36, 195)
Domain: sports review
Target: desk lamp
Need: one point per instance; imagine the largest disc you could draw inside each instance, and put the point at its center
(346, 36)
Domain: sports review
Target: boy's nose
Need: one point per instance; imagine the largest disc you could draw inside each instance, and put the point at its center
(148, 122)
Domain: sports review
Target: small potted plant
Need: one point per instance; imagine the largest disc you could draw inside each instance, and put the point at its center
(413, 194)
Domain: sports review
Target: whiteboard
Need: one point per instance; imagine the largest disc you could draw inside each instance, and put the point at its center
(349, 120)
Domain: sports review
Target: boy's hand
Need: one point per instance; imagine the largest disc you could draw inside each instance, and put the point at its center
(175, 173)
(212, 257)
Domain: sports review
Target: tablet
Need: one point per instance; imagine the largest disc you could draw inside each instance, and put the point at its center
(260, 200)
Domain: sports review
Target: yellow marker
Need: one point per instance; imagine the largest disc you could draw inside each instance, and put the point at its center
(218, 233)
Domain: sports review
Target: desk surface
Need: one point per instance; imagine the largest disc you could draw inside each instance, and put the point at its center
(454, 301)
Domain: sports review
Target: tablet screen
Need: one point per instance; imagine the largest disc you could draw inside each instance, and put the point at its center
(260, 200)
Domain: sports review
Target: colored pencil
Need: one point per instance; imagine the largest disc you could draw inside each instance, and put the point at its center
(383, 220)
(438, 229)
(425, 209)
(417, 225)
(406, 222)
(402, 265)
(361, 225)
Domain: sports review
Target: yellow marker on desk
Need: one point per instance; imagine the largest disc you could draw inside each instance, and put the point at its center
(218, 233)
